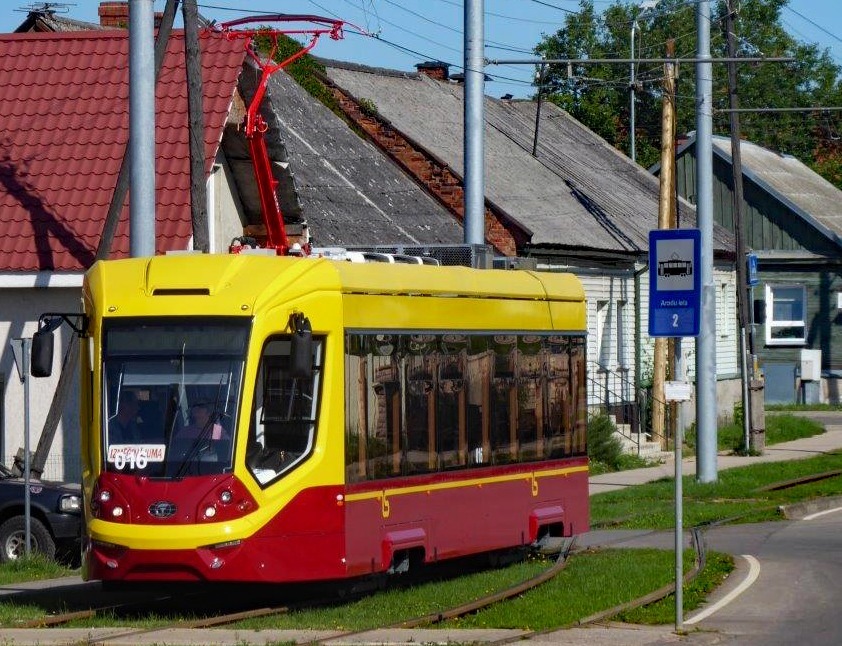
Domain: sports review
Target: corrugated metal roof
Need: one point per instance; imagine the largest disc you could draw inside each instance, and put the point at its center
(791, 182)
(577, 192)
(64, 110)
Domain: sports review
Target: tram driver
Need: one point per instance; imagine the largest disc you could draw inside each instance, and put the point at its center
(125, 426)
(215, 438)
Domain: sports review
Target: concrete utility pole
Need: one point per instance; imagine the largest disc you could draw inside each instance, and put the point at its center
(142, 127)
(706, 408)
(118, 199)
(666, 220)
(198, 188)
(474, 120)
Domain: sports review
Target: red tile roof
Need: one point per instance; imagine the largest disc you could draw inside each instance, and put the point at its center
(63, 131)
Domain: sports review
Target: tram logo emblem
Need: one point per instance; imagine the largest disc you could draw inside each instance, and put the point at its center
(162, 509)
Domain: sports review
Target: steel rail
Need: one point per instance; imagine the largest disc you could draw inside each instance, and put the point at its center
(697, 539)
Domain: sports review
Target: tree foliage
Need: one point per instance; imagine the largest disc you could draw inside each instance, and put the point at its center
(599, 94)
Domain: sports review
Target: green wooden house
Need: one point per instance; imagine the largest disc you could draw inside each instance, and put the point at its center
(793, 224)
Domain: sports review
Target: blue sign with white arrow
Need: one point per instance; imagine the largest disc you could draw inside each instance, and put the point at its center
(675, 283)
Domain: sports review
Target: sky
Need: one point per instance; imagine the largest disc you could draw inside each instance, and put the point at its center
(406, 32)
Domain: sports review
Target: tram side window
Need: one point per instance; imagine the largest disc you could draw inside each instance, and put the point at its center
(418, 403)
(530, 398)
(357, 363)
(421, 360)
(580, 395)
(283, 421)
(559, 398)
(385, 410)
(504, 403)
(451, 428)
(480, 362)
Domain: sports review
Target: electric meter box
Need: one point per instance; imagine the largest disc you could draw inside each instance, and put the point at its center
(811, 365)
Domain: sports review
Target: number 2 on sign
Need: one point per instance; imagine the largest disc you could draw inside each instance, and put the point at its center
(675, 320)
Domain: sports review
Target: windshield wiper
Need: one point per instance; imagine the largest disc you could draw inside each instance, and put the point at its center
(202, 438)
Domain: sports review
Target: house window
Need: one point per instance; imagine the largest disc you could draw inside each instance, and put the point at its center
(725, 310)
(603, 334)
(622, 360)
(785, 308)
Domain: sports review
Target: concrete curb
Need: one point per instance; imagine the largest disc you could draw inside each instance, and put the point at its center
(799, 510)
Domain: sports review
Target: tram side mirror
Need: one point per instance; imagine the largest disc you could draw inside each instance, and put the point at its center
(301, 351)
(41, 364)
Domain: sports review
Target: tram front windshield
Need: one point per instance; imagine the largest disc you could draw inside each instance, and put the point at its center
(170, 395)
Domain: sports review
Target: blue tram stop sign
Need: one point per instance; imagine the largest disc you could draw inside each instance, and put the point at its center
(675, 283)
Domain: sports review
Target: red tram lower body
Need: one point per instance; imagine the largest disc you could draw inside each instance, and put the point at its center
(337, 532)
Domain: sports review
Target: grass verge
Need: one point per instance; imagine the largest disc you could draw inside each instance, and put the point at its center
(736, 494)
(592, 581)
(35, 568)
(779, 428)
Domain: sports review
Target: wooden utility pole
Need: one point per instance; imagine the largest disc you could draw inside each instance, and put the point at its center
(70, 364)
(666, 220)
(198, 189)
(752, 419)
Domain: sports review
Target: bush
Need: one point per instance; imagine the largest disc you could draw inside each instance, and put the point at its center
(603, 445)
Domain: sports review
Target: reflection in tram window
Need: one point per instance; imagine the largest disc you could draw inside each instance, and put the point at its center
(504, 399)
(423, 402)
(451, 423)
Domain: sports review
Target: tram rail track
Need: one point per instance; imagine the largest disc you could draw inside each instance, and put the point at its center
(431, 619)
(463, 609)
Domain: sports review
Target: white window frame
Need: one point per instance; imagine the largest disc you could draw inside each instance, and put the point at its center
(603, 333)
(726, 310)
(622, 348)
(772, 324)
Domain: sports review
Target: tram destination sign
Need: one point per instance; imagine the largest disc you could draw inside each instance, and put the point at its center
(674, 282)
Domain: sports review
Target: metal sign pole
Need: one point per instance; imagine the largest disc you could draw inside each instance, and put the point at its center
(675, 311)
(27, 348)
(678, 440)
(21, 349)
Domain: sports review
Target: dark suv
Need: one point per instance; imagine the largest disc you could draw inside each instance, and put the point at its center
(55, 517)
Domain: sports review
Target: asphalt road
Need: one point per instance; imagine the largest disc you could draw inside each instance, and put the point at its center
(786, 589)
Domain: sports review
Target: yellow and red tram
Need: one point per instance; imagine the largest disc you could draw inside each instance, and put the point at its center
(275, 419)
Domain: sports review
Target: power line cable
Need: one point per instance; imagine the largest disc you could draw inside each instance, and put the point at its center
(506, 17)
(489, 43)
(815, 24)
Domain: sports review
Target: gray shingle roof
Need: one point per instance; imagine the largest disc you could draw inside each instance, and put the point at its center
(349, 192)
(577, 192)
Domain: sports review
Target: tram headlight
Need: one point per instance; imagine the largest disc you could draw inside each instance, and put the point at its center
(108, 503)
(226, 501)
